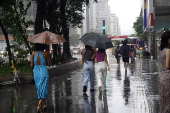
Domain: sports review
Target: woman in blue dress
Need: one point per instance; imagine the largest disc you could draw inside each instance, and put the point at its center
(39, 60)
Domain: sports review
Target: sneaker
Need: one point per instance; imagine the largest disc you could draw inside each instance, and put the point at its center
(84, 89)
(100, 88)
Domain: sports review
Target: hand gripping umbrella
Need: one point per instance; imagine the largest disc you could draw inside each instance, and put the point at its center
(97, 40)
(46, 37)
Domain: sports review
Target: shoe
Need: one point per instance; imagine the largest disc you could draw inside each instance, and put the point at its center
(39, 109)
(92, 90)
(84, 89)
(45, 108)
(85, 95)
(100, 88)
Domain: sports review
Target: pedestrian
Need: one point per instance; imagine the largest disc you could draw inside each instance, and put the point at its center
(117, 54)
(125, 49)
(132, 54)
(164, 78)
(39, 59)
(88, 56)
(102, 64)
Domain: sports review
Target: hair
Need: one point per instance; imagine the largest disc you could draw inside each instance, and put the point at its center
(118, 47)
(125, 42)
(88, 47)
(164, 40)
(40, 47)
(101, 50)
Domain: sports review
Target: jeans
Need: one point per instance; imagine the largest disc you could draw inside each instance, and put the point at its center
(88, 72)
(101, 74)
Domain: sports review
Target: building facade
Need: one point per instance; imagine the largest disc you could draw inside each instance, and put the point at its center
(156, 18)
(102, 13)
(114, 25)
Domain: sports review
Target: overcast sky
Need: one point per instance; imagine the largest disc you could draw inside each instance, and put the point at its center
(127, 11)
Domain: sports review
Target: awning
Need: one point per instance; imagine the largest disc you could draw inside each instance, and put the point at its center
(124, 36)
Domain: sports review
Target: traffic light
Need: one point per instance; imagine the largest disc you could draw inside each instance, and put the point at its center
(104, 27)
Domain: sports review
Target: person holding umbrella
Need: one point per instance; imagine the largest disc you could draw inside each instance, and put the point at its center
(102, 64)
(94, 40)
(41, 59)
(88, 56)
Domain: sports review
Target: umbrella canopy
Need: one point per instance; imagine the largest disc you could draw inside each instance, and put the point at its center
(46, 37)
(97, 40)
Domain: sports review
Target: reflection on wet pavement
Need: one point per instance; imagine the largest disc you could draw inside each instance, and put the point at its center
(133, 92)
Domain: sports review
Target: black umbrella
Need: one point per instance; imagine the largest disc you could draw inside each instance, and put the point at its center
(97, 40)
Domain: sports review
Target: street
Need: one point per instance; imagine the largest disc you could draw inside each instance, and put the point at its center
(134, 92)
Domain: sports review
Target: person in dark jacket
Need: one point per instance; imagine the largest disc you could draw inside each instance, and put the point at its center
(125, 49)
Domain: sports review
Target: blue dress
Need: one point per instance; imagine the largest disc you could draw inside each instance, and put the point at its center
(41, 76)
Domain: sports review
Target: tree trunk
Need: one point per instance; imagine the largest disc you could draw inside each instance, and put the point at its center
(66, 47)
(39, 16)
(7, 41)
(65, 29)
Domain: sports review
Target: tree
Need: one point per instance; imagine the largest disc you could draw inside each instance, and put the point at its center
(138, 27)
(117, 42)
(132, 35)
(7, 41)
(74, 39)
(14, 19)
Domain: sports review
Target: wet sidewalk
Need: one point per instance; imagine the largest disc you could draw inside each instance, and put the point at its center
(134, 92)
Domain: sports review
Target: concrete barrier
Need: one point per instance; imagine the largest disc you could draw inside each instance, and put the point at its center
(54, 71)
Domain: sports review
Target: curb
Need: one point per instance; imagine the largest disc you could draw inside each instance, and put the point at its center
(54, 71)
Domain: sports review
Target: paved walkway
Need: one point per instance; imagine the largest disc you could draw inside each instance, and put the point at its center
(134, 92)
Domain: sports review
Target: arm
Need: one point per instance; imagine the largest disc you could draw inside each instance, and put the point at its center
(167, 65)
(83, 56)
(48, 59)
(94, 55)
(114, 52)
(105, 58)
(32, 60)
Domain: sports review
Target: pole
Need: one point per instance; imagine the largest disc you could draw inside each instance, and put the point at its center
(104, 27)
(154, 47)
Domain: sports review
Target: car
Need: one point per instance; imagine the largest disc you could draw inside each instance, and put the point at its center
(76, 51)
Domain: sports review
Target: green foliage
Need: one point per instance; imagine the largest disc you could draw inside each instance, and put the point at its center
(14, 19)
(9, 70)
(138, 27)
(2, 62)
(19, 55)
(132, 35)
(117, 42)
(74, 39)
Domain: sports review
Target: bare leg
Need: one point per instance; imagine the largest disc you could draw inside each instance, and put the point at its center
(39, 105)
(125, 64)
(44, 102)
(119, 60)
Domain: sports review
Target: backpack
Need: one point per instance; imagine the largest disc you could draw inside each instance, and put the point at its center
(125, 52)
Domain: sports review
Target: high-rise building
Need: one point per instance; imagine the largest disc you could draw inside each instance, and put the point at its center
(102, 13)
(92, 15)
(114, 25)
